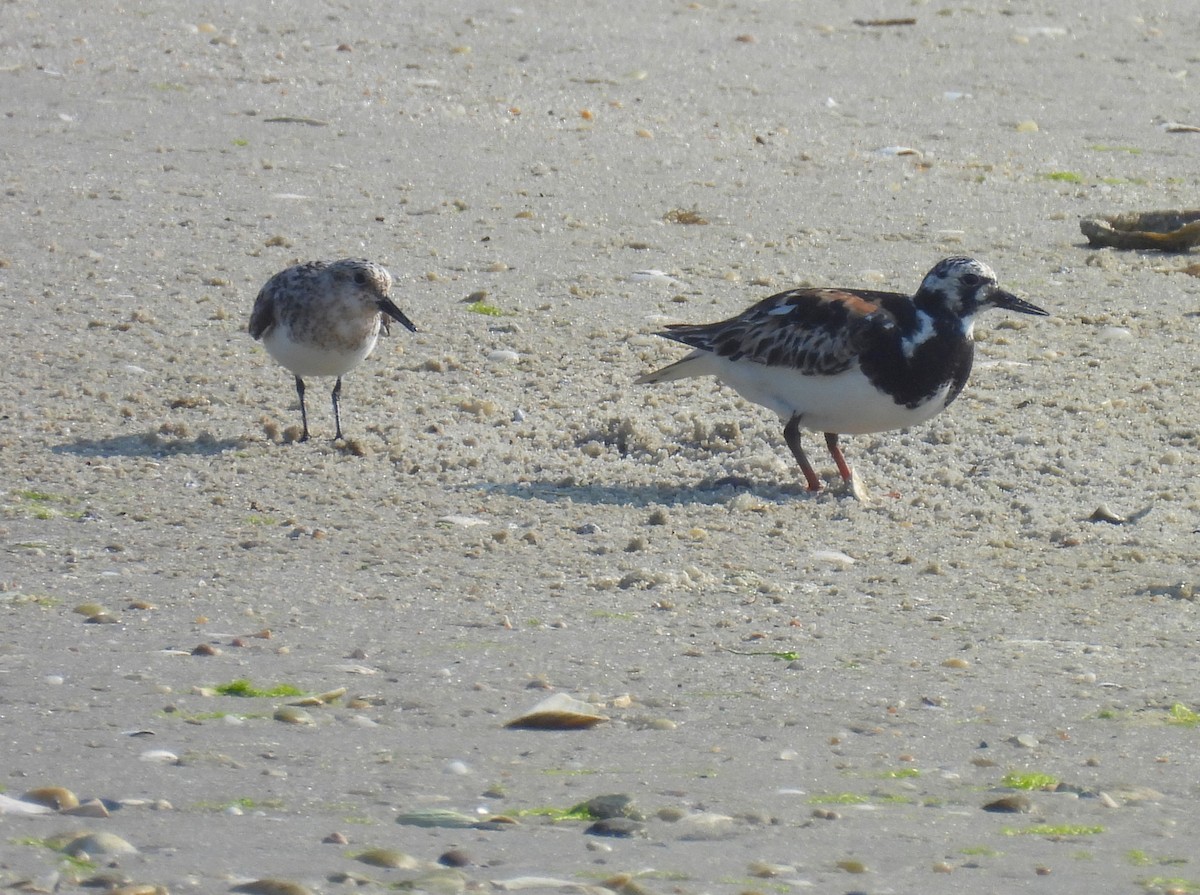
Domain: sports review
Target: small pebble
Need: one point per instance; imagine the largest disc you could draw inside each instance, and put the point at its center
(615, 805)
(89, 609)
(98, 844)
(272, 887)
(389, 858)
(1015, 804)
(705, 826)
(55, 797)
(763, 870)
(454, 857)
(290, 714)
(620, 827)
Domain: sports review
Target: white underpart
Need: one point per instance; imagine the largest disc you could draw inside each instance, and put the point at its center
(334, 358)
(846, 402)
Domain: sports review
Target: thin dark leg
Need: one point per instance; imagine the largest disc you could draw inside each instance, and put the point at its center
(844, 470)
(303, 412)
(791, 434)
(337, 414)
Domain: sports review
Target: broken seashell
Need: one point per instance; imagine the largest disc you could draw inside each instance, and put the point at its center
(321, 698)
(558, 712)
(437, 817)
(55, 797)
(898, 150)
(90, 808)
(1103, 514)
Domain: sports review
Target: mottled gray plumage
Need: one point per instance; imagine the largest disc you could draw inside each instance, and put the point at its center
(323, 319)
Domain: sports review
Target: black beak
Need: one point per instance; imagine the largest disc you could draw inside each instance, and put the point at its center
(1009, 302)
(386, 306)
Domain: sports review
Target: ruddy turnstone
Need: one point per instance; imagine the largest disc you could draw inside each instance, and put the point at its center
(848, 361)
(323, 319)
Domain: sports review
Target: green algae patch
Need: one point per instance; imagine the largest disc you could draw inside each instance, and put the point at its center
(243, 687)
(1028, 780)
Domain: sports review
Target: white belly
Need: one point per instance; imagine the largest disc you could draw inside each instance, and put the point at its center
(332, 357)
(845, 402)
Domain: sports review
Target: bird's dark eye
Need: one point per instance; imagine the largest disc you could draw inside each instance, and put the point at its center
(360, 277)
(972, 279)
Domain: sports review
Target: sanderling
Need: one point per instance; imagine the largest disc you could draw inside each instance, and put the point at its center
(322, 319)
(848, 361)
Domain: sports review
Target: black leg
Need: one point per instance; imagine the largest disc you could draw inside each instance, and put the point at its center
(337, 414)
(303, 411)
(791, 434)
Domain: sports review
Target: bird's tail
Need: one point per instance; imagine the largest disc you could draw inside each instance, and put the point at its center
(681, 369)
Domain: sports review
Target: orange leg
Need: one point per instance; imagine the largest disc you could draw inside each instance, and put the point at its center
(791, 434)
(844, 470)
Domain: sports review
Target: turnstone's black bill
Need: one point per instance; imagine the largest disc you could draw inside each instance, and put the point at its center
(322, 319)
(848, 361)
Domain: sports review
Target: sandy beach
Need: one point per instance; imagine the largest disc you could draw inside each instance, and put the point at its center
(985, 678)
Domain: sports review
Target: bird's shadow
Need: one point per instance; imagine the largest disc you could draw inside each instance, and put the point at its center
(709, 492)
(148, 444)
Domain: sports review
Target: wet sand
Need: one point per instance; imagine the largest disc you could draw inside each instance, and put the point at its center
(799, 687)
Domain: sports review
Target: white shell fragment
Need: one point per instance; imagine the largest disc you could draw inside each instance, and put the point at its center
(520, 883)
(9, 805)
(159, 756)
(1103, 513)
(558, 712)
(898, 150)
(437, 817)
(655, 276)
(834, 557)
(462, 521)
